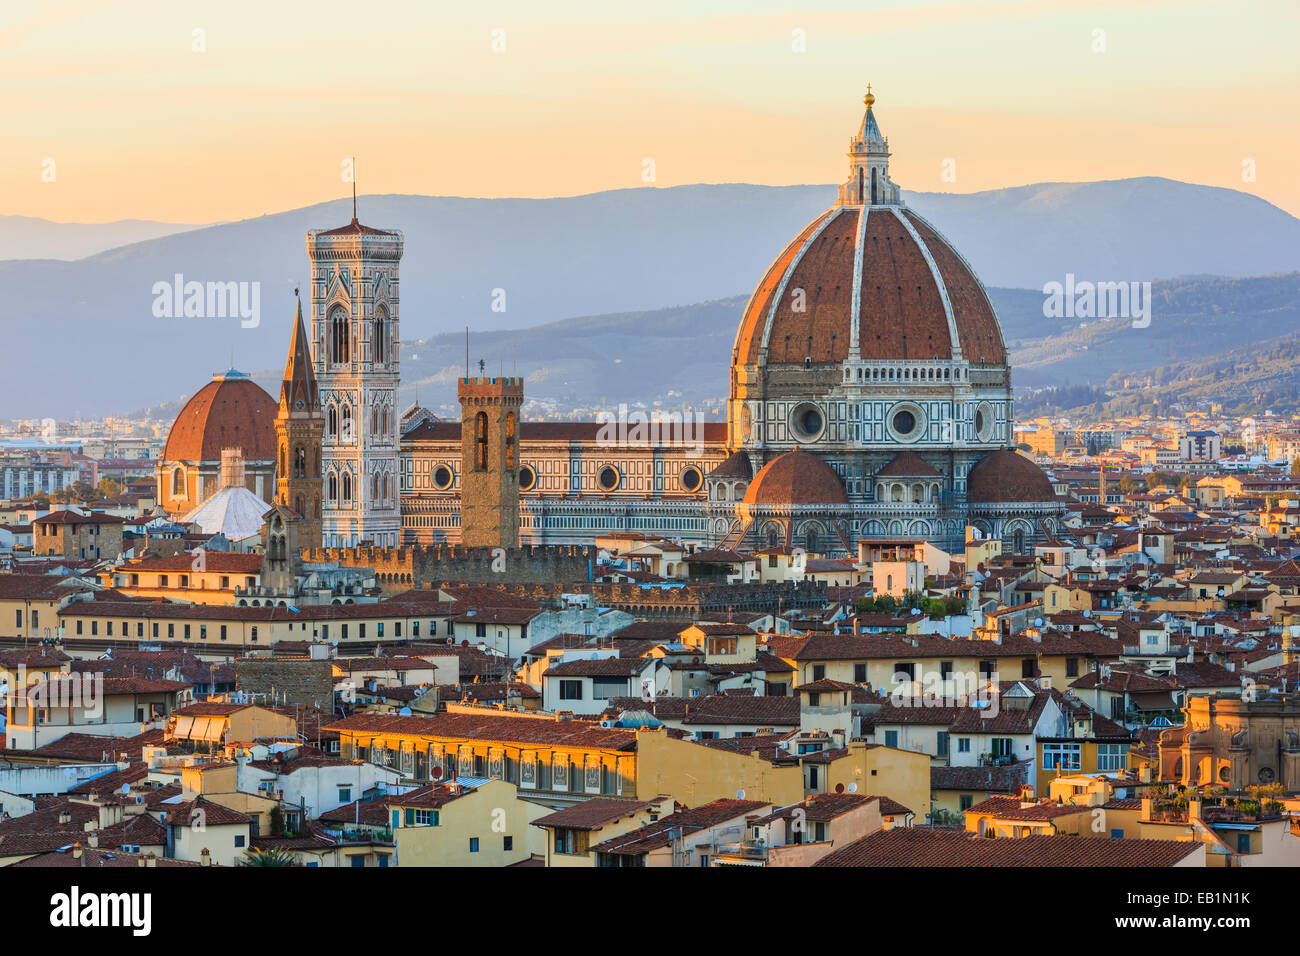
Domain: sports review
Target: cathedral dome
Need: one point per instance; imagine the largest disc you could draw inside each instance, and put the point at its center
(869, 279)
(796, 478)
(1007, 477)
(889, 288)
(231, 411)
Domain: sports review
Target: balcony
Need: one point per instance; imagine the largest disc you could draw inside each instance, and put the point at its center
(748, 852)
(364, 836)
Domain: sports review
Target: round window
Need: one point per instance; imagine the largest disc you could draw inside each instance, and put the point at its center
(984, 422)
(806, 422)
(904, 423)
(442, 477)
(527, 478)
(608, 478)
(692, 479)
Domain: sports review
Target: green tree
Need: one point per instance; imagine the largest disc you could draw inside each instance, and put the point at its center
(272, 857)
(110, 488)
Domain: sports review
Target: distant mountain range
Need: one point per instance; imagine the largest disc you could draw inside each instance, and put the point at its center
(22, 237)
(87, 341)
(1210, 339)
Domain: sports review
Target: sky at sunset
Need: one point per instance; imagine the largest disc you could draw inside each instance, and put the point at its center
(207, 111)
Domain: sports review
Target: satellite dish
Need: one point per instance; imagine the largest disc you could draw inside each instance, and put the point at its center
(740, 794)
(1087, 612)
(1038, 622)
(126, 788)
(839, 788)
(404, 712)
(853, 788)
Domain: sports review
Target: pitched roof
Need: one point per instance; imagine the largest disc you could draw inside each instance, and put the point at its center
(922, 847)
(661, 833)
(544, 731)
(594, 813)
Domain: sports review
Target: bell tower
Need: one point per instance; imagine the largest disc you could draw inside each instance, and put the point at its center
(299, 426)
(489, 477)
(354, 337)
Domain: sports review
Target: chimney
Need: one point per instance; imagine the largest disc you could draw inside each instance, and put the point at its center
(152, 859)
(1194, 808)
(1147, 803)
(92, 840)
(204, 857)
(857, 626)
(76, 851)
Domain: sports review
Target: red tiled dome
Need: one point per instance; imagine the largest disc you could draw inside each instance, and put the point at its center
(907, 271)
(1007, 477)
(736, 465)
(231, 411)
(796, 478)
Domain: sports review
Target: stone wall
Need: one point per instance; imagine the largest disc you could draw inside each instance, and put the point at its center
(400, 569)
(307, 682)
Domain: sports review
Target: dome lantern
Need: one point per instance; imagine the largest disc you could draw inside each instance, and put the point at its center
(869, 182)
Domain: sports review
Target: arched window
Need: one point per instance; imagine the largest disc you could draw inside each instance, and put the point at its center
(333, 489)
(300, 462)
(384, 489)
(332, 422)
(510, 441)
(347, 488)
(340, 337)
(374, 489)
(300, 506)
(178, 483)
(810, 540)
(379, 338)
(481, 441)
(345, 433)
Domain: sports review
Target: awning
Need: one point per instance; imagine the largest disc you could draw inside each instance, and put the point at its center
(184, 725)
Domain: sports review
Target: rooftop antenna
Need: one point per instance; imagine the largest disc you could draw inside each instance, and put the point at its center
(354, 189)
(467, 353)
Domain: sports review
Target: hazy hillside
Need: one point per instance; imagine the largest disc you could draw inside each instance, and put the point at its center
(606, 253)
(22, 237)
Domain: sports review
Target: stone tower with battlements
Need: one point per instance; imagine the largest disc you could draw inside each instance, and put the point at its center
(489, 439)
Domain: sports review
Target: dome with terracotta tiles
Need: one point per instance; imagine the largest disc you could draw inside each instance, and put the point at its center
(870, 373)
(869, 280)
(796, 478)
(231, 411)
(1005, 477)
(869, 283)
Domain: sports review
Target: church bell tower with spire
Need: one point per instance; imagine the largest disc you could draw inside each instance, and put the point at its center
(299, 427)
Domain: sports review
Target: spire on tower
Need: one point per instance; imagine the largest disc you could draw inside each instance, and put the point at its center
(298, 390)
(354, 189)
